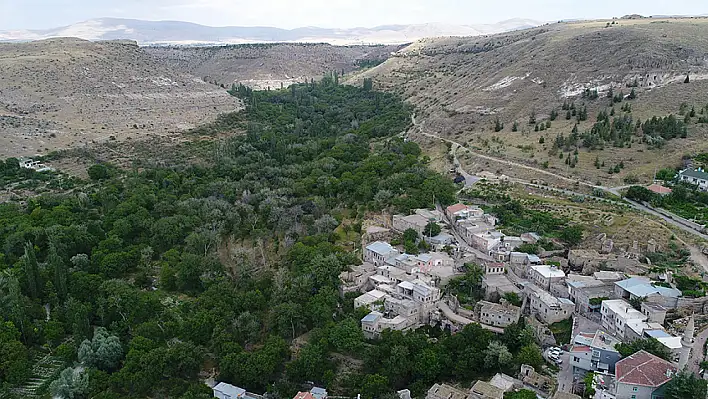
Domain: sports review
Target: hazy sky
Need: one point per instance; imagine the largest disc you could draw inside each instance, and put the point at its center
(37, 14)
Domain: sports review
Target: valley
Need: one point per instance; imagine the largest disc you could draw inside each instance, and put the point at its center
(460, 217)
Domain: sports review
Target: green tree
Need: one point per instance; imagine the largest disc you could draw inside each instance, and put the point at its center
(373, 386)
(572, 235)
(639, 193)
(98, 172)
(531, 355)
(520, 394)
(497, 356)
(410, 235)
(60, 271)
(432, 229)
(686, 385)
(104, 351)
(14, 359)
(31, 271)
(651, 345)
(73, 383)
(513, 298)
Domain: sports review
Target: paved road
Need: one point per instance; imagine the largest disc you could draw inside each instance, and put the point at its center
(671, 219)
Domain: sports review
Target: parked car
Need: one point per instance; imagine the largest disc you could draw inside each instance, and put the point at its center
(559, 361)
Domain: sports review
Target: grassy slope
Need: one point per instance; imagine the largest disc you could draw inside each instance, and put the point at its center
(461, 85)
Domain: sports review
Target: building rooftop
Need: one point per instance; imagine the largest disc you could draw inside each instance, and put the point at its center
(304, 395)
(643, 368)
(232, 391)
(608, 275)
(501, 282)
(496, 307)
(503, 381)
(380, 247)
(444, 391)
(549, 271)
(318, 393)
(641, 326)
(456, 208)
(659, 189)
(642, 287)
(698, 173)
(371, 317)
(604, 341)
(623, 308)
(487, 390)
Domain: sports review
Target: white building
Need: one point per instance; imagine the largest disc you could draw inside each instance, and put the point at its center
(698, 177)
(223, 390)
(545, 275)
(369, 299)
(497, 315)
(616, 314)
(546, 307)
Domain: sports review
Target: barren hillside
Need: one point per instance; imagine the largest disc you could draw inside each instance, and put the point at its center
(62, 93)
(268, 65)
(462, 85)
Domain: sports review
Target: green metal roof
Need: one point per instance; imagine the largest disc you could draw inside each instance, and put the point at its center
(695, 173)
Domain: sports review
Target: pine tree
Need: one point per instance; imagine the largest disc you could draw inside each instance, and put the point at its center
(687, 80)
(57, 265)
(532, 117)
(31, 270)
(632, 95)
(515, 127)
(568, 115)
(541, 140)
(554, 114)
(498, 126)
(693, 112)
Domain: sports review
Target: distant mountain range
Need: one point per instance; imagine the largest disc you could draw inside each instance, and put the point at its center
(185, 33)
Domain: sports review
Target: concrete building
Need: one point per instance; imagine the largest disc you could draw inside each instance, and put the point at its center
(497, 315)
(223, 390)
(642, 287)
(545, 275)
(642, 376)
(368, 299)
(545, 306)
(463, 212)
(655, 312)
(698, 177)
(530, 238)
(486, 241)
(594, 352)
(496, 285)
(319, 393)
(378, 252)
(415, 222)
(616, 314)
(356, 278)
(589, 299)
(485, 390)
(444, 391)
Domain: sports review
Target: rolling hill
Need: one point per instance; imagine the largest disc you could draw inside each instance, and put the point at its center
(462, 86)
(185, 33)
(63, 93)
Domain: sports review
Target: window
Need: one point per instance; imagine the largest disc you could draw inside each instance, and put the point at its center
(634, 396)
(576, 359)
(635, 389)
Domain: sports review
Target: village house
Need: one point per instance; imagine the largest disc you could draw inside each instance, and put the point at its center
(444, 391)
(642, 287)
(368, 299)
(357, 278)
(485, 390)
(496, 285)
(545, 275)
(616, 314)
(463, 212)
(594, 352)
(642, 376)
(378, 252)
(497, 315)
(486, 241)
(415, 222)
(697, 177)
(546, 307)
(530, 238)
(223, 390)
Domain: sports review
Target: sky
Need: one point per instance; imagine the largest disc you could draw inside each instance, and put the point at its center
(43, 14)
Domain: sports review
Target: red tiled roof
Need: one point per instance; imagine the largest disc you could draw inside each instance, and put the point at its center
(659, 189)
(304, 395)
(643, 368)
(456, 208)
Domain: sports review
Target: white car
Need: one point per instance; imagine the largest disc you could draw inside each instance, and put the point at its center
(553, 357)
(559, 361)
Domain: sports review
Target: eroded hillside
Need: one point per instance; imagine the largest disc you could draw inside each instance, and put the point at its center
(63, 93)
(268, 65)
(462, 86)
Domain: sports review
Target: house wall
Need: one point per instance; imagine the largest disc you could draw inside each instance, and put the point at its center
(627, 391)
